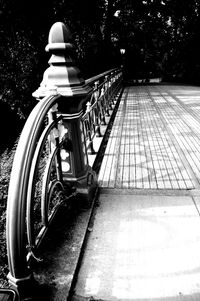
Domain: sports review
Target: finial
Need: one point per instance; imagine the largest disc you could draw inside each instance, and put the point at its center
(59, 38)
(62, 77)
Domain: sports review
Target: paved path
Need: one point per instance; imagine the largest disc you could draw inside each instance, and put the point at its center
(145, 241)
(155, 139)
(142, 248)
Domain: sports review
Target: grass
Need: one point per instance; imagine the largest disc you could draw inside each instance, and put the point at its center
(6, 159)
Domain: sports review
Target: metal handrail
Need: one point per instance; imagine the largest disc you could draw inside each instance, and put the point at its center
(105, 88)
(43, 141)
(96, 78)
(18, 187)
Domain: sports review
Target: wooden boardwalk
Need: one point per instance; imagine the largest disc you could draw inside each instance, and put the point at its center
(155, 139)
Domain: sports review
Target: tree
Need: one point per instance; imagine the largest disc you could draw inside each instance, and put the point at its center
(160, 37)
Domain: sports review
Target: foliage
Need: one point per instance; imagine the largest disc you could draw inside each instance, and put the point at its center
(160, 36)
(6, 159)
(20, 56)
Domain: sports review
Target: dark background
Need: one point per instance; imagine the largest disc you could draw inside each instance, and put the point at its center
(160, 38)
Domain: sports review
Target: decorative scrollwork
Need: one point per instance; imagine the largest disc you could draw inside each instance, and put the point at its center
(102, 101)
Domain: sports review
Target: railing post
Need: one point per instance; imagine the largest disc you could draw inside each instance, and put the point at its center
(63, 77)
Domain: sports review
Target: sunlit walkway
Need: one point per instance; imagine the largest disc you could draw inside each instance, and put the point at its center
(144, 244)
(142, 248)
(155, 139)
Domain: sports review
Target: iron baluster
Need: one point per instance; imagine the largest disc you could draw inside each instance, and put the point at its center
(89, 128)
(57, 145)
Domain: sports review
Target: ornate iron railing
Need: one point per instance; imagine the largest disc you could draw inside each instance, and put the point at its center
(105, 89)
(51, 160)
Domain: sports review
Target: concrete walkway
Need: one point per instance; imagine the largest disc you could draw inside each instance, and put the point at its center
(142, 248)
(145, 240)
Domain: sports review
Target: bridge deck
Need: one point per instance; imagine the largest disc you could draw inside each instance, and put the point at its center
(145, 239)
(142, 248)
(155, 139)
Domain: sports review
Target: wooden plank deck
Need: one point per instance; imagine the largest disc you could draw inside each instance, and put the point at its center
(155, 139)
